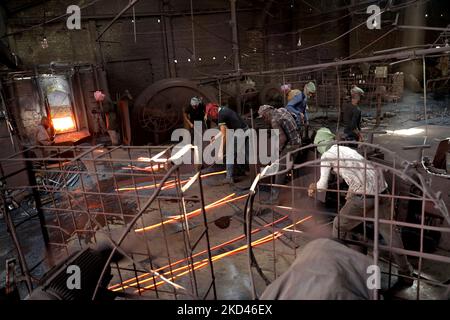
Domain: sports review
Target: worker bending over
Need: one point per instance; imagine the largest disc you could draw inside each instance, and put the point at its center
(297, 102)
(361, 178)
(195, 112)
(228, 119)
(289, 140)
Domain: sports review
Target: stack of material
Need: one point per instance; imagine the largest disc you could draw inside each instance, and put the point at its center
(398, 86)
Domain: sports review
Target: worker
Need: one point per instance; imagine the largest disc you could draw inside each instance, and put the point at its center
(289, 140)
(195, 111)
(324, 269)
(228, 119)
(45, 135)
(361, 178)
(297, 102)
(109, 108)
(351, 116)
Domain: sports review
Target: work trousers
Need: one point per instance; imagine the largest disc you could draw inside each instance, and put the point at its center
(238, 149)
(281, 178)
(354, 206)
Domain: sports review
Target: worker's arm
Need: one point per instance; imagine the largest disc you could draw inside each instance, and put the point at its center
(325, 171)
(186, 118)
(354, 125)
(108, 106)
(46, 142)
(281, 134)
(223, 131)
(43, 137)
(359, 119)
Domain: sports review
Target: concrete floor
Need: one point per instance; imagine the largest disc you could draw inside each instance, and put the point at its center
(232, 277)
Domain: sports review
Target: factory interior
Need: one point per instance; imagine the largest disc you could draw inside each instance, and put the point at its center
(123, 176)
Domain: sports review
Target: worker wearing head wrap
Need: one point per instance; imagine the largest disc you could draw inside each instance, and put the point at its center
(351, 116)
(45, 134)
(362, 178)
(195, 111)
(194, 118)
(228, 119)
(109, 109)
(297, 102)
(289, 140)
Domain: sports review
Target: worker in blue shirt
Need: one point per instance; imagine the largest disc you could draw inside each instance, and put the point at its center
(297, 101)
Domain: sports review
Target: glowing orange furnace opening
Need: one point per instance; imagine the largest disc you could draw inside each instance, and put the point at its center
(63, 124)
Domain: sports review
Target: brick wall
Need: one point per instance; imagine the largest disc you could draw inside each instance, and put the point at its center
(128, 63)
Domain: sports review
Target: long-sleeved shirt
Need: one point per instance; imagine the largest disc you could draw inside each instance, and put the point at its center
(359, 175)
(283, 120)
(351, 119)
(43, 137)
(297, 105)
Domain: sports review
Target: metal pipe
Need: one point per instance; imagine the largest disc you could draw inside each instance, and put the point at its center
(208, 243)
(424, 28)
(38, 204)
(131, 4)
(339, 99)
(30, 20)
(424, 64)
(398, 55)
(14, 237)
(402, 48)
(376, 228)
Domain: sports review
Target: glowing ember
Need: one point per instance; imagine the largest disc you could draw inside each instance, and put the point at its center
(194, 213)
(203, 263)
(63, 124)
(127, 283)
(169, 184)
(156, 167)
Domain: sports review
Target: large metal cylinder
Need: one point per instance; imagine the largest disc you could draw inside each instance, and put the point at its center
(159, 109)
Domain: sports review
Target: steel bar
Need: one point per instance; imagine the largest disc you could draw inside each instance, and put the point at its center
(416, 54)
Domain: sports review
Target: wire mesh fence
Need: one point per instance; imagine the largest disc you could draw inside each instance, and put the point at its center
(405, 215)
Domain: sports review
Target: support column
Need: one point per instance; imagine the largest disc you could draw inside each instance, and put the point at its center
(235, 48)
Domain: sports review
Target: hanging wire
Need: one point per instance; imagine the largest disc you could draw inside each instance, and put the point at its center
(193, 33)
(134, 25)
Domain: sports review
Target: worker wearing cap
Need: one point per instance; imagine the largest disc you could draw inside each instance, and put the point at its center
(297, 101)
(289, 140)
(361, 178)
(351, 116)
(227, 119)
